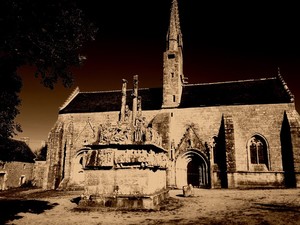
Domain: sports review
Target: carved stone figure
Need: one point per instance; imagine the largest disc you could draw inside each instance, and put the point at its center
(127, 114)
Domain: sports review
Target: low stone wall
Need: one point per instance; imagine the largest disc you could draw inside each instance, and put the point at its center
(250, 180)
(256, 179)
(125, 202)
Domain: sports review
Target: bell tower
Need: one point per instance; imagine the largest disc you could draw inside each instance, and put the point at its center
(173, 78)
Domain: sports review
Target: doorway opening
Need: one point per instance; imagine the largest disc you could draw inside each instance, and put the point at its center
(192, 168)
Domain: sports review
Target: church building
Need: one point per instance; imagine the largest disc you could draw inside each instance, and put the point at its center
(235, 134)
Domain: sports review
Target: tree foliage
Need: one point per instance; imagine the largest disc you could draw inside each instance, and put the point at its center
(10, 86)
(45, 34)
(41, 154)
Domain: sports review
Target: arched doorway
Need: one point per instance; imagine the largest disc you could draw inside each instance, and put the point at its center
(192, 168)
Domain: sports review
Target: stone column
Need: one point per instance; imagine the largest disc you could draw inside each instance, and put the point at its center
(139, 106)
(134, 100)
(230, 150)
(123, 103)
(230, 147)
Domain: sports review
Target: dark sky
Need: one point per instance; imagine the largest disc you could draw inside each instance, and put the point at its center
(221, 42)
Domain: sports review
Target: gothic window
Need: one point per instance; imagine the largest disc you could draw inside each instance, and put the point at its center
(258, 151)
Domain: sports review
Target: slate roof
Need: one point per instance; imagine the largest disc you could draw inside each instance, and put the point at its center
(111, 101)
(13, 150)
(245, 92)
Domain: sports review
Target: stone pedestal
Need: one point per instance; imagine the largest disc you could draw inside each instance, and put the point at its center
(125, 201)
(124, 178)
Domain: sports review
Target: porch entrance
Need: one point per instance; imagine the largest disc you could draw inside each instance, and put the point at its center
(192, 168)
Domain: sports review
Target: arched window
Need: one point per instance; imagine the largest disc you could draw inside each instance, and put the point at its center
(258, 151)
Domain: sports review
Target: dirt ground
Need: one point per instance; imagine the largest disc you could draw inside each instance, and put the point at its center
(269, 206)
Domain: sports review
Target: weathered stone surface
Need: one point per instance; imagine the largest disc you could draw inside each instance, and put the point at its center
(188, 191)
(127, 202)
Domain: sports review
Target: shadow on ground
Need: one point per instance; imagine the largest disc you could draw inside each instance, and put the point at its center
(9, 208)
(278, 207)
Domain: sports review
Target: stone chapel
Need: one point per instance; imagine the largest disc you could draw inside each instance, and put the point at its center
(235, 134)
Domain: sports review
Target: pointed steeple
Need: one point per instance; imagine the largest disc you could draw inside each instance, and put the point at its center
(174, 36)
(173, 78)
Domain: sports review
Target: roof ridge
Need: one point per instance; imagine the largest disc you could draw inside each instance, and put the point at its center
(108, 91)
(70, 98)
(103, 91)
(228, 82)
(286, 88)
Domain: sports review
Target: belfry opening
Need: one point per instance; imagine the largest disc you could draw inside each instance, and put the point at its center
(192, 168)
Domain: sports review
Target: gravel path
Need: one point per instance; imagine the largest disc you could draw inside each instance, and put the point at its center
(251, 207)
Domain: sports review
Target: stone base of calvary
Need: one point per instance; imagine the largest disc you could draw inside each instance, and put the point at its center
(129, 176)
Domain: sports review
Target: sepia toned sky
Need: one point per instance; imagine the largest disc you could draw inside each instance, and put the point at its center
(221, 42)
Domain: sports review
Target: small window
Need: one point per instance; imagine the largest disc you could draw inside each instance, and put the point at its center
(22, 180)
(172, 75)
(174, 98)
(171, 56)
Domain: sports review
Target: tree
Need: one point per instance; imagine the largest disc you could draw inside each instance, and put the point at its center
(45, 34)
(41, 153)
(10, 86)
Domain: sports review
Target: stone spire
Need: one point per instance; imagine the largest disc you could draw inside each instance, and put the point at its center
(173, 78)
(174, 36)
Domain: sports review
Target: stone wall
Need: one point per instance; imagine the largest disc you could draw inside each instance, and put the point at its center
(39, 173)
(246, 120)
(294, 153)
(256, 179)
(15, 174)
(133, 182)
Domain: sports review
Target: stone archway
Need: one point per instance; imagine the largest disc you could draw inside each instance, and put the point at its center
(192, 167)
